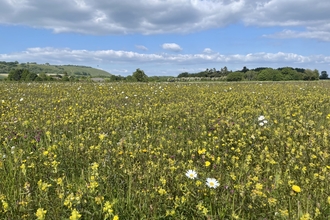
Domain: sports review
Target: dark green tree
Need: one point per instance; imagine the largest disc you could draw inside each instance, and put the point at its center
(15, 74)
(244, 70)
(324, 75)
(24, 75)
(235, 76)
(140, 76)
(31, 77)
(184, 74)
(42, 76)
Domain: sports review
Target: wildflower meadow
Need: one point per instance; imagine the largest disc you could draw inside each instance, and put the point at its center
(165, 150)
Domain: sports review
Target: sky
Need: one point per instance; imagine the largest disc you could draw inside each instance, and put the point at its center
(167, 37)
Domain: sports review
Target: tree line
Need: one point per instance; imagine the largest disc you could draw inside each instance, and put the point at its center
(27, 75)
(259, 74)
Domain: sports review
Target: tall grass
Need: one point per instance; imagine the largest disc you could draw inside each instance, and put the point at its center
(109, 151)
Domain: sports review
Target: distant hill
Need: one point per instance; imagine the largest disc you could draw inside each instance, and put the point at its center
(72, 70)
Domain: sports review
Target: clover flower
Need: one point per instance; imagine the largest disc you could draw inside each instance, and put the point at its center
(191, 174)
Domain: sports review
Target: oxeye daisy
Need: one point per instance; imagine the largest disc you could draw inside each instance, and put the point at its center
(212, 183)
(261, 118)
(191, 174)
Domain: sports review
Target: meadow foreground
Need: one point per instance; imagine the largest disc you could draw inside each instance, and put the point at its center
(165, 151)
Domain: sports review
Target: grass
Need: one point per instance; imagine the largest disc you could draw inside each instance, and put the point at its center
(107, 151)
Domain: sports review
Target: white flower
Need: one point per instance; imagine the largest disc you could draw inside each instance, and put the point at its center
(265, 121)
(261, 118)
(261, 124)
(191, 174)
(212, 183)
(21, 99)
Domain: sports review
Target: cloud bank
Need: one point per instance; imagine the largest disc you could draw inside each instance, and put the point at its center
(103, 17)
(54, 55)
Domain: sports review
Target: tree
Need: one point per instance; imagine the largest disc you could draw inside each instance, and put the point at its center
(140, 76)
(324, 75)
(130, 79)
(250, 75)
(235, 76)
(244, 70)
(265, 75)
(290, 74)
(224, 71)
(311, 74)
(15, 74)
(31, 77)
(42, 76)
(184, 74)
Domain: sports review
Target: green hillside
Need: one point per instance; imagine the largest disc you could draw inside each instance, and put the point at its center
(72, 70)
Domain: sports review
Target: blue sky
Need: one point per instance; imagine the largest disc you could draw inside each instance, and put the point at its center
(167, 37)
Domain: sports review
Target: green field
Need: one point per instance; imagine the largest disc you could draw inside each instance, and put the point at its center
(165, 150)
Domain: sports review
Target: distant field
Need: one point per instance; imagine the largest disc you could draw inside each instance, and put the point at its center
(54, 69)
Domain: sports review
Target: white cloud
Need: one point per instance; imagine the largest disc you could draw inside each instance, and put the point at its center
(319, 35)
(141, 47)
(164, 63)
(66, 55)
(172, 46)
(207, 50)
(121, 17)
(103, 17)
(313, 16)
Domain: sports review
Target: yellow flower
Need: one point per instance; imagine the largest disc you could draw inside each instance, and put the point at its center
(202, 151)
(102, 136)
(296, 188)
(115, 217)
(107, 207)
(305, 217)
(5, 205)
(272, 201)
(43, 186)
(207, 163)
(259, 186)
(59, 181)
(284, 212)
(41, 213)
(99, 200)
(162, 191)
(75, 215)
